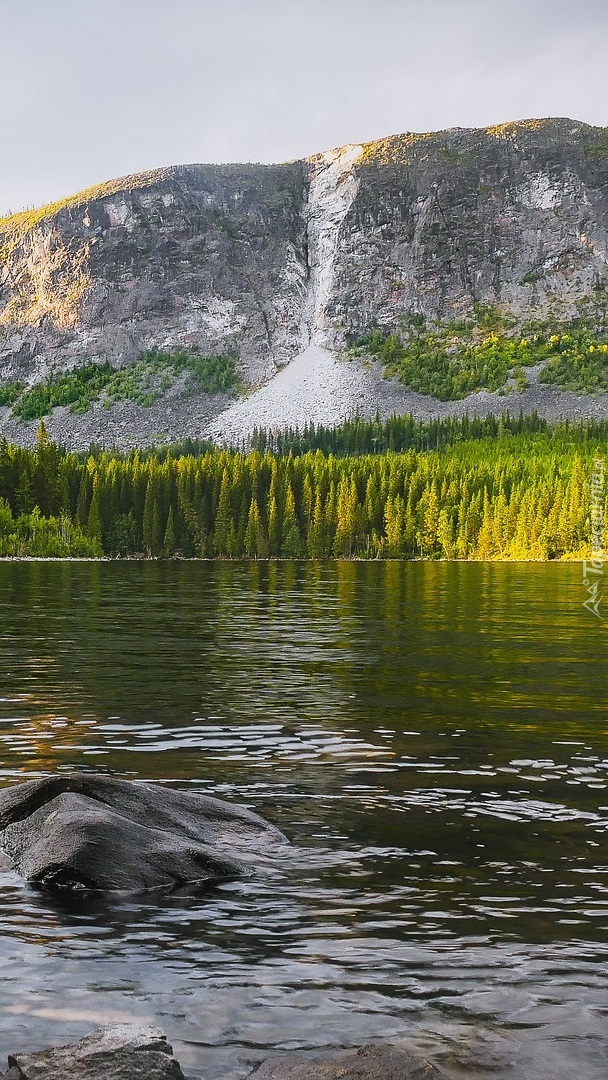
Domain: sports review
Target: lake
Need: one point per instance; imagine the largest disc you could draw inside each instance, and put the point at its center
(433, 739)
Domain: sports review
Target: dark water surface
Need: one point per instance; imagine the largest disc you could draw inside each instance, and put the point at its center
(433, 738)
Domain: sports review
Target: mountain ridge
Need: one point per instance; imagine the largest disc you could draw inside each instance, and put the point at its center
(149, 177)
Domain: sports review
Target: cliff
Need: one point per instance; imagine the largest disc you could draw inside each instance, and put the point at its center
(263, 262)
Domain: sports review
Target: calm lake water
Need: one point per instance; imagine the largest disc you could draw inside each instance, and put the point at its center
(433, 738)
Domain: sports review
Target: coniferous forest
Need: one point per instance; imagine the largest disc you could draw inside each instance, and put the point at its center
(469, 489)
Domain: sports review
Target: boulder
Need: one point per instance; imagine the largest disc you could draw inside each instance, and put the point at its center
(85, 832)
(122, 1052)
(133, 1052)
(374, 1062)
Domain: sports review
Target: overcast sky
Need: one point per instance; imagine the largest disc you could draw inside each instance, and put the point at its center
(93, 89)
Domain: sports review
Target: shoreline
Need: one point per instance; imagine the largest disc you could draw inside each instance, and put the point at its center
(577, 558)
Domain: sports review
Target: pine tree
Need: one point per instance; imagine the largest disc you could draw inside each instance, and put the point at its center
(308, 504)
(316, 533)
(149, 525)
(429, 523)
(394, 525)
(190, 531)
(291, 541)
(274, 523)
(372, 508)
(24, 500)
(485, 548)
(445, 534)
(346, 524)
(255, 541)
(94, 520)
(330, 520)
(223, 519)
(157, 533)
(249, 540)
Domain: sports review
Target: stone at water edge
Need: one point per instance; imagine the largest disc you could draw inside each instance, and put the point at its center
(121, 1052)
(374, 1062)
(139, 1052)
(87, 832)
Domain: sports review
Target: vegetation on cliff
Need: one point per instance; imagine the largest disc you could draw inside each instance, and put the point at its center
(512, 495)
(452, 144)
(15, 226)
(450, 360)
(142, 381)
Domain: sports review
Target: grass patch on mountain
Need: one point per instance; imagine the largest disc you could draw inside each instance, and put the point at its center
(142, 381)
(450, 361)
(15, 226)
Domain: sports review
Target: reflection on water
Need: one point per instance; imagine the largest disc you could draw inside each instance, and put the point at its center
(432, 737)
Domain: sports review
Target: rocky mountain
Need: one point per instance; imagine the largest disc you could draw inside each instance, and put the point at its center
(279, 266)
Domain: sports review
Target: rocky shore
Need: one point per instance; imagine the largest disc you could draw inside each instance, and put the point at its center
(133, 1052)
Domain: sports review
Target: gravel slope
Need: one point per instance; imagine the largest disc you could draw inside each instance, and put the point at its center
(316, 386)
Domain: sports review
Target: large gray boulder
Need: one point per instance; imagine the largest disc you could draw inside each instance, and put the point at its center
(123, 1052)
(81, 832)
(133, 1052)
(374, 1062)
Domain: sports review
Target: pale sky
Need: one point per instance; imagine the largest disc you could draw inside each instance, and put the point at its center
(93, 89)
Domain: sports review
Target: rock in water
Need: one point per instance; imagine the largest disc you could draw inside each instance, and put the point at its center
(367, 1063)
(81, 831)
(123, 1052)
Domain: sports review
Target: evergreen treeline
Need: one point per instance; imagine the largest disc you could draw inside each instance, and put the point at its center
(514, 495)
(401, 433)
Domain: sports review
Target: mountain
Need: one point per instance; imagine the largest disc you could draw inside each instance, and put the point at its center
(277, 267)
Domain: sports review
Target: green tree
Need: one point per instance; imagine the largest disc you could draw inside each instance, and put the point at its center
(169, 541)
(291, 541)
(94, 520)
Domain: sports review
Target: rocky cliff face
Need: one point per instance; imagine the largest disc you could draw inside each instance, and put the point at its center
(263, 261)
(209, 256)
(515, 216)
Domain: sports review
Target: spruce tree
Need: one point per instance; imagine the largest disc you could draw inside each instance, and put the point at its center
(291, 541)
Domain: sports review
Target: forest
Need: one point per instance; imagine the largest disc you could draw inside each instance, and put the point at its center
(494, 489)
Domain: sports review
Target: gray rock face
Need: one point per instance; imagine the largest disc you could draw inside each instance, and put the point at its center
(266, 260)
(81, 832)
(208, 256)
(123, 1052)
(367, 1063)
(515, 216)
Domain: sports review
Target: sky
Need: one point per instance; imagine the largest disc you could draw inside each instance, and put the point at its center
(93, 89)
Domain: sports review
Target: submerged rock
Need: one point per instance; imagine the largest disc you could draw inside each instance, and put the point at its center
(81, 832)
(366, 1063)
(123, 1052)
